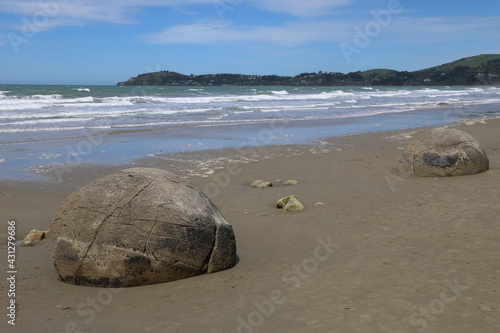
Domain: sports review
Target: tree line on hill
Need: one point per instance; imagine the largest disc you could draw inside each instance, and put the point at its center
(479, 70)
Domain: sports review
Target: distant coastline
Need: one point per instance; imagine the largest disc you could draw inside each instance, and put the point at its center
(478, 70)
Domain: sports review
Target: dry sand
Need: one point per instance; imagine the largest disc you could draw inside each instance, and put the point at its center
(384, 253)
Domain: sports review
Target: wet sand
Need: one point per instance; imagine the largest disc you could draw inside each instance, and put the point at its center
(383, 254)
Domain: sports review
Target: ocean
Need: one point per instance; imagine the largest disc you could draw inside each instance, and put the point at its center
(35, 113)
(43, 126)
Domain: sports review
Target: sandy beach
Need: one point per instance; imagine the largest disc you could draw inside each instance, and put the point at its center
(383, 253)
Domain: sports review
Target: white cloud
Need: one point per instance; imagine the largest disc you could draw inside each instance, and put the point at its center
(78, 11)
(329, 28)
(301, 8)
(124, 11)
(441, 29)
(399, 30)
(215, 32)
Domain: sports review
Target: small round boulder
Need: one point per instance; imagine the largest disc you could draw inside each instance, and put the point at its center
(443, 152)
(137, 227)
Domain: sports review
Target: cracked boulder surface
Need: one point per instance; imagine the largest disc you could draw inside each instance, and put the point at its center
(139, 226)
(443, 152)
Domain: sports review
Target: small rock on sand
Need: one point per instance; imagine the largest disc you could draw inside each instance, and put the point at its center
(34, 237)
(290, 204)
(261, 184)
(290, 182)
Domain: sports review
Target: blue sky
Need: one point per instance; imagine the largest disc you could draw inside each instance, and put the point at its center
(106, 41)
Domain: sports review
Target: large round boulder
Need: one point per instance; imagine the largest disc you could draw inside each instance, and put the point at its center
(443, 152)
(139, 226)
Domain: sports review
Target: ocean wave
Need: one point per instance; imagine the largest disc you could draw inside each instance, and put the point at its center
(8, 118)
(53, 129)
(280, 92)
(38, 101)
(47, 121)
(46, 97)
(109, 107)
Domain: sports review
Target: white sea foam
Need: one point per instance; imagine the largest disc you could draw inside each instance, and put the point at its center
(48, 121)
(280, 92)
(217, 117)
(173, 106)
(56, 100)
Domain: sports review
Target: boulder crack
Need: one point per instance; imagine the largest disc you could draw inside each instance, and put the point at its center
(208, 260)
(145, 250)
(119, 206)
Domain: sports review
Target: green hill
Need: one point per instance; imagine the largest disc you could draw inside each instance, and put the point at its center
(483, 69)
(378, 72)
(475, 62)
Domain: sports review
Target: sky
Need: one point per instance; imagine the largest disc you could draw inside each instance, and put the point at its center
(103, 42)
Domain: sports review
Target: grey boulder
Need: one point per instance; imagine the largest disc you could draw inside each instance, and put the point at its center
(443, 152)
(137, 227)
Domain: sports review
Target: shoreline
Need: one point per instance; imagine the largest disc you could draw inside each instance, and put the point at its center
(250, 123)
(32, 161)
(397, 244)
